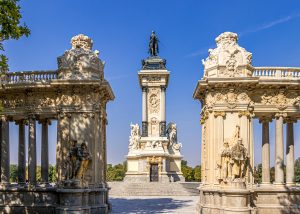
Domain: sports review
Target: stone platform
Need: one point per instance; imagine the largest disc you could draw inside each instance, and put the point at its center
(153, 189)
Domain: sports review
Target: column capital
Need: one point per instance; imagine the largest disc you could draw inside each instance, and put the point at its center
(163, 87)
(246, 113)
(280, 114)
(265, 119)
(3, 118)
(45, 121)
(21, 122)
(219, 113)
(144, 88)
(290, 120)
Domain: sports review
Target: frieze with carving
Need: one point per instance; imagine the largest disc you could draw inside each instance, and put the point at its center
(231, 98)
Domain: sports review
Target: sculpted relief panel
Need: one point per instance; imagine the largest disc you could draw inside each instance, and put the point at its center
(154, 100)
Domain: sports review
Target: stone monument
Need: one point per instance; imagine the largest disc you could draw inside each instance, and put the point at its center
(154, 152)
(233, 93)
(75, 95)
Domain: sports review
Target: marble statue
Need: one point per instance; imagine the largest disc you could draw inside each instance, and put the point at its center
(239, 160)
(172, 135)
(134, 137)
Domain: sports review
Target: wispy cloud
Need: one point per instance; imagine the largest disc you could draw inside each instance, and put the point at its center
(270, 24)
(261, 27)
(199, 52)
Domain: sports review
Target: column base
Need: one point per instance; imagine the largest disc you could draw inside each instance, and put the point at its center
(277, 184)
(290, 184)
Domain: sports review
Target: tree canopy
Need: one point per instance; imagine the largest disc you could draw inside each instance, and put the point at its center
(10, 27)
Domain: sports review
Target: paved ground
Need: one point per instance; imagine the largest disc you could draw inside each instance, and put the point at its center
(154, 204)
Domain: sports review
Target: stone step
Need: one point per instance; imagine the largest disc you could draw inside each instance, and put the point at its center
(153, 189)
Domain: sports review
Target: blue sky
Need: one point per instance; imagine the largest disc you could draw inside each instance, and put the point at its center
(187, 29)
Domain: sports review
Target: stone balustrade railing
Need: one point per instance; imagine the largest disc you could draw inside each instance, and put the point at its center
(30, 76)
(276, 72)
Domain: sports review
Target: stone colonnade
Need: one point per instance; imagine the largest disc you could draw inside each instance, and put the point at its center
(32, 151)
(280, 119)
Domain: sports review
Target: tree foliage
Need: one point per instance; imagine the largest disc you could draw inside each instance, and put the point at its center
(116, 173)
(297, 170)
(10, 27)
(190, 173)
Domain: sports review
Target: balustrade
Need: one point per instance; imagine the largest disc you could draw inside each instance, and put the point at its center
(30, 76)
(277, 72)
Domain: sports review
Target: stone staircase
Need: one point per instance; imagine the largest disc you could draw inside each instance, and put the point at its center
(154, 189)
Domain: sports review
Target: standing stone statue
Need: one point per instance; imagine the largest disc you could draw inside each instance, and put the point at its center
(153, 45)
(134, 137)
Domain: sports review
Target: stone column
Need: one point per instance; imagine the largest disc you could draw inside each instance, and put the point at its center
(144, 112)
(279, 152)
(44, 152)
(265, 150)
(290, 152)
(163, 112)
(21, 153)
(32, 151)
(219, 137)
(5, 159)
(245, 117)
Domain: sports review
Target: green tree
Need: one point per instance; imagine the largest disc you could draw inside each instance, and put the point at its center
(52, 174)
(13, 177)
(116, 173)
(187, 171)
(258, 173)
(10, 27)
(297, 170)
(197, 173)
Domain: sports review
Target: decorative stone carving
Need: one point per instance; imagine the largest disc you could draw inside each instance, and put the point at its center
(76, 165)
(80, 62)
(280, 100)
(233, 161)
(229, 55)
(154, 100)
(134, 138)
(231, 99)
(82, 41)
(172, 135)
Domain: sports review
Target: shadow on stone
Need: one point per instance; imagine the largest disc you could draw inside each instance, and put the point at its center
(146, 205)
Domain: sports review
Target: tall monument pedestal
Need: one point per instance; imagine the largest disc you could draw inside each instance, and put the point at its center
(154, 152)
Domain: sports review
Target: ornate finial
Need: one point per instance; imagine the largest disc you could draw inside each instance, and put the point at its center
(227, 37)
(82, 41)
(153, 45)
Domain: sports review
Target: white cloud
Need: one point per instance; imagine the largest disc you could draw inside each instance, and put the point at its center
(270, 24)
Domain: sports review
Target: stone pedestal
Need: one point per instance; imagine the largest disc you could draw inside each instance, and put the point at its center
(233, 198)
(82, 201)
